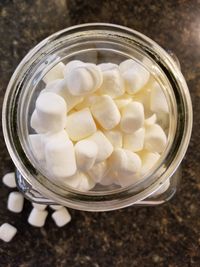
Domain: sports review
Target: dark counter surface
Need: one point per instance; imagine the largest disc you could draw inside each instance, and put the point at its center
(167, 235)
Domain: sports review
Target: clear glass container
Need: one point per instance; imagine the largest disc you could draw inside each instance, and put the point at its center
(96, 43)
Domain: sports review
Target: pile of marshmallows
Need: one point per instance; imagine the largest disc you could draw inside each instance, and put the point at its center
(103, 123)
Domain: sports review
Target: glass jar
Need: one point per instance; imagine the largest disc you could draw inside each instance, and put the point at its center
(96, 43)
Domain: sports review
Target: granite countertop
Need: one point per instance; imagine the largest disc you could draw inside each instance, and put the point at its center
(167, 235)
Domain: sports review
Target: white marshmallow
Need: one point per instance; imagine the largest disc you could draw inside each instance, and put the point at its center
(98, 171)
(60, 159)
(151, 120)
(61, 217)
(61, 136)
(55, 207)
(37, 146)
(109, 178)
(9, 180)
(162, 189)
(132, 117)
(83, 79)
(55, 73)
(125, 162)
(39, 206)
(59, 87)
(115, 137)
(86, 183)
(135, 75)
(158, 101)
(37, 217)
(80, 125)
(15, 202)
(7, 232)
(112, 81)
(80, 181)
(105, 148)
(148, 161)
(50, 113)
(86, 153)
(87, 102)
(71, 65)
(105, 112)
(144, 97)
(122, 102)
(155, 138)
(134, 141)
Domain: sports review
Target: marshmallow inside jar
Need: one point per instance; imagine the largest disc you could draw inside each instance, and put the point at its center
(96, 123)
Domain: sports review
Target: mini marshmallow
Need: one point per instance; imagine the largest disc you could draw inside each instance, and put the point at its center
(86, 153)
(132, 117)
(80, 125)
(60, 159)
(37, 146)
(162, 189)
(151, 120)
(37, 217)
(86, 183)
(115, 138)
(158, 101)
(74, 180)
(50, 113)
(61, 217)
(87, 102)
(105, 112)
(155, 138)
(55, 207)
(55, 73)
(59, 87)
(148, 161)
(112, 81)
(39, 206)
(109, 178)
(105, 148)
(98, 171)
(83, 79)
(122, 102)
(134, 141)
(71, 65)
(135, 76)
(15, 202)
(9, 180)
(61, 136)
(7, 232)
(125, 162)
(144, 97)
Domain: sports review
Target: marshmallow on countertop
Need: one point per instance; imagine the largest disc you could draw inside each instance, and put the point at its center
(115, 137)
(135, 75)
(7, 232)
(98, 171)
(80, 125)
(126, 165)
(55, 73)
(61, 217)
(37, 217)
(105, 148)
(59, 87)
(112, 81)
(60, 159)
(50, 113)
(148, 161)
(132, 117)
(86, 153)
(155, 139)
(158, 101)
(135, 141)
(9, 180)
(15, 202)
(105, 112)
(82, 79)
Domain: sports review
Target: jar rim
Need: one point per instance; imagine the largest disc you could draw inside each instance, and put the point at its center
(126, 196)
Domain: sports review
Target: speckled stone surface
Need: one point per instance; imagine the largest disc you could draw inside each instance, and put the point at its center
(168, 235)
